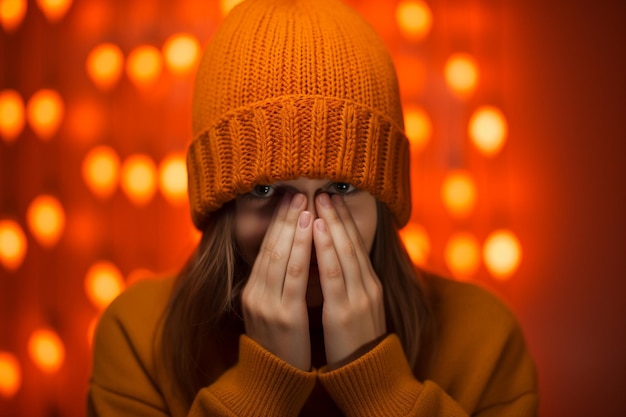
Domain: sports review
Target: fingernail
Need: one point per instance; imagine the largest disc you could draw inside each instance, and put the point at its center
(324, 200)
(297, 201)
(321, 225)
(305, 219)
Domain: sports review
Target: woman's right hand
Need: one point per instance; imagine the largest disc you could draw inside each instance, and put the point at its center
(274, 298)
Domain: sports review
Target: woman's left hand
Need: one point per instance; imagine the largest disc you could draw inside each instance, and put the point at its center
(353, 314)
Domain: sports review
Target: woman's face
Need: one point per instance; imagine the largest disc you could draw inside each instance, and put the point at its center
(254, 211)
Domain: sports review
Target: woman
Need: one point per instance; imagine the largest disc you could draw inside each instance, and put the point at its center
(300, 299)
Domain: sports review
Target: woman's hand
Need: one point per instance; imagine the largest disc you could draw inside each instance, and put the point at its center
(274, 298)
(353, 315)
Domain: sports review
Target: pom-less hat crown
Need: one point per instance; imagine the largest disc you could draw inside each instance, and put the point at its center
(296, 88)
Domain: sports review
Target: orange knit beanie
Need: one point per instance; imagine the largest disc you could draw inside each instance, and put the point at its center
(296, 88)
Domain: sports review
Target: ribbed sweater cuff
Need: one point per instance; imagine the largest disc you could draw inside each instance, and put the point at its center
(379, 383)
(262, 384)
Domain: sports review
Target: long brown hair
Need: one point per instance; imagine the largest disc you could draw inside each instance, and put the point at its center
(207, 293)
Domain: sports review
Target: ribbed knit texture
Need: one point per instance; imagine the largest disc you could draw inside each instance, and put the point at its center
(296, 88)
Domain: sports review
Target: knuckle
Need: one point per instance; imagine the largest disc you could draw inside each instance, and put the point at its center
(295, 270)
(349, 249)
(334, 271)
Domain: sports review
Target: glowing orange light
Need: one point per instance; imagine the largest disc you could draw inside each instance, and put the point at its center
(104, 65)
(44, 112)
(144, 65)
(418, 127)
(414, 19)
(139, 178)
(103, 283)
(458, 193)
(461, 73)
(12, 13)
(10, 375)
(502, 254)
(12, 244)
(227, 5)
(488, 130)
(173, 178)
(46, 219)
(54, 9)
(462, 255)
(11, 115)
(181, 53)
(100, 170)
(416, 242)
(46, 350)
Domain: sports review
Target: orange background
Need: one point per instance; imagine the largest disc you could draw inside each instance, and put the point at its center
(557, 69)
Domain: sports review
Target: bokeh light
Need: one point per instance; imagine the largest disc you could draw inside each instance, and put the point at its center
(461, 74)
(181, 53)
(144, 65)
(416, 242)
(46, 219)
(415, 19)
(101, 170)
(488, 130)
(46, 350)
(54, 10)
(418, 127)
(103, 282)
(10, 375)
(12, 13)
(458, 193)
(462, 255)
(173, 178)
(13, 244)
(44, 113)
(104, 65)
(227, 5)
(502, 254)
(139, 178)
(11, 115)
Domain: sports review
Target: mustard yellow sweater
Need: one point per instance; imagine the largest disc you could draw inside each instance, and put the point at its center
(480, 367)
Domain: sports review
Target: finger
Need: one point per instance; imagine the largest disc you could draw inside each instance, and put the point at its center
(346, 248)
(297, 274)
(277, 251)
(369, 276)
(331, 274)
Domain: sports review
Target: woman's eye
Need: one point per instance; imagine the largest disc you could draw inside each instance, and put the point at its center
(263, 191)
(342, 188)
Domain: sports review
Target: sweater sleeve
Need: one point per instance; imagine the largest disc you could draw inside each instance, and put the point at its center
(381, 383)
(259, 385)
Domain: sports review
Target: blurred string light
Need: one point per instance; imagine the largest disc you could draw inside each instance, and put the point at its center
(11, 115)
(13, 244)
(461, 74)
(46, 219)
(418, 127)
(173, 178)
(10, 375)
(458, 193)
(101, 171)
(227, 5)
(103, 282)
(12, 13)
(138, 178)
(416, 242)
(144, 65)
(415, 19)
(46, 350)
(54, 10)
(105, 64)
(502, 254)
(488, 130)
(181, 53)
(44, 113)
(462, 255)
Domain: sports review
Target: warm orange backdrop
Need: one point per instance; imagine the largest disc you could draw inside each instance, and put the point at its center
(557, 69)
